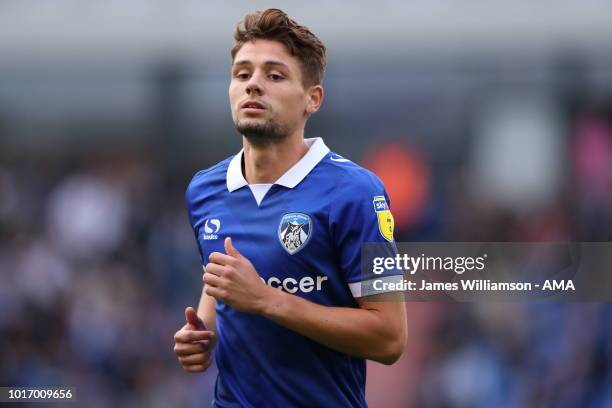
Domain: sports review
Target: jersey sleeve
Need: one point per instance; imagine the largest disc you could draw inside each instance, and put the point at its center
(361, 218)
(192, 222)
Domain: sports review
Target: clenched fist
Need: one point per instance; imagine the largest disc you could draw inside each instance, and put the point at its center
(232, 279)
(193, 344)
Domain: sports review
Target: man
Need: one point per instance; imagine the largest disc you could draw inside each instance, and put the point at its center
(280, 227)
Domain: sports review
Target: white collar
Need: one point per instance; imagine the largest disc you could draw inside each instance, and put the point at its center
(316, 151)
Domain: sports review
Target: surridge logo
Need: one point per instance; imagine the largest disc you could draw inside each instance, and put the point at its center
(211, 227)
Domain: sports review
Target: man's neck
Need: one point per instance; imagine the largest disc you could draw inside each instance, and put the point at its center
(265, 165)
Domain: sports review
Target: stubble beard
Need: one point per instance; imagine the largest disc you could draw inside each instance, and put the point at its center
(262, 134)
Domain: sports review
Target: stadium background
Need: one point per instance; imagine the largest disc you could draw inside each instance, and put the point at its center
(488, 121)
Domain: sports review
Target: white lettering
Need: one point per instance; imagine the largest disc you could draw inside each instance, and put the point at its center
(320, 280)
(273, 280)
(306, 284)
(558, 285)
(292, 285)
(378, 269)
(286, 285)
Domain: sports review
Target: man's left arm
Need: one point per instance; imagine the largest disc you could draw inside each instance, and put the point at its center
(377, 330)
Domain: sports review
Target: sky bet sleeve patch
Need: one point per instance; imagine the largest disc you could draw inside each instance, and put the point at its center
(385, 218)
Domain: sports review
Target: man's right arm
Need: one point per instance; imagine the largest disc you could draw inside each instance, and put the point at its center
(207, 312)
(195, 341)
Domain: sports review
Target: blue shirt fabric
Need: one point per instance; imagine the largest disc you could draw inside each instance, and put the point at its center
(305, 238)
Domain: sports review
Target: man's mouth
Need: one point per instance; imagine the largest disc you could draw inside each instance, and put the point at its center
(253, 106)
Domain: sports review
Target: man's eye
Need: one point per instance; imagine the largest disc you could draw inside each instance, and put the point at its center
(275, 77)
(242, 75)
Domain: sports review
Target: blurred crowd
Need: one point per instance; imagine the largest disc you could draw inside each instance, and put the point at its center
(529, 354)
(98, 262)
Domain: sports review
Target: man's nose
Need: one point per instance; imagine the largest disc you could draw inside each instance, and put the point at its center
(253, 89)
(254, 86)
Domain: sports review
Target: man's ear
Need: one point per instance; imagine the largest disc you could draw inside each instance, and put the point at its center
(315, 99)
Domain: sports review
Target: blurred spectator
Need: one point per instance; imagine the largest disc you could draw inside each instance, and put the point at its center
(87, 216)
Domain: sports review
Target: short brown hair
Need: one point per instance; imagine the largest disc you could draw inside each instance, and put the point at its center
(274, 24)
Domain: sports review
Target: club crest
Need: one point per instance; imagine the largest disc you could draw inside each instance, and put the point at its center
(294, 231)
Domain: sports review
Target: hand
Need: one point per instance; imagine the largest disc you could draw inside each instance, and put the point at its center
(193, 344)
(232, 279)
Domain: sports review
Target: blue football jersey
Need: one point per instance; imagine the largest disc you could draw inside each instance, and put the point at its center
(304, 237)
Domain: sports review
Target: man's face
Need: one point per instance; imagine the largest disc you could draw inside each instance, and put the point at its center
(267, 96)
